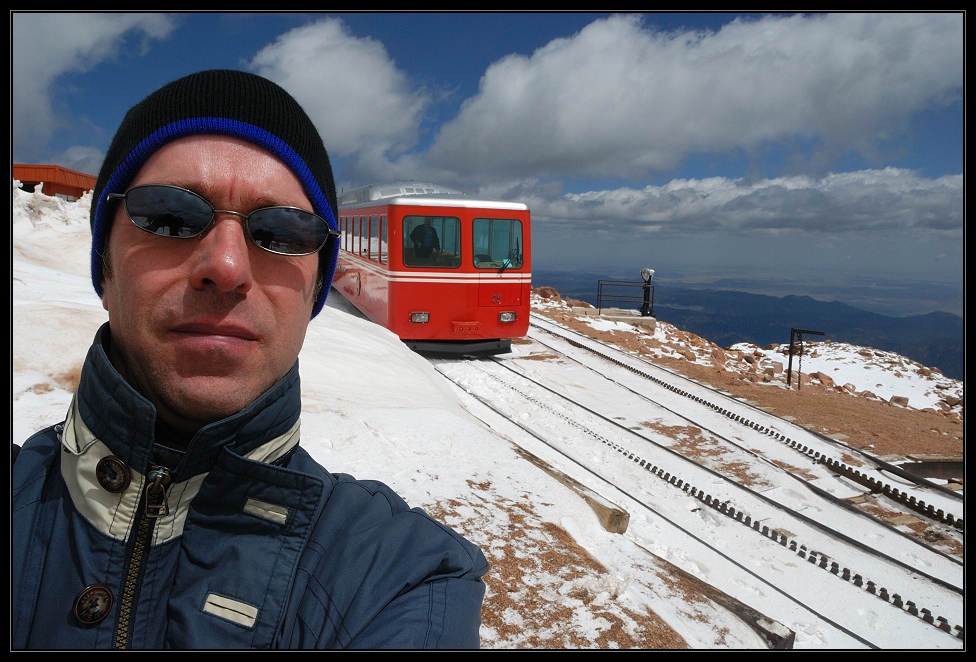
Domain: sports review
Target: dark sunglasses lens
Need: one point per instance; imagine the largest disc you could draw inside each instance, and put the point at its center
(287, 231)
(166, 211)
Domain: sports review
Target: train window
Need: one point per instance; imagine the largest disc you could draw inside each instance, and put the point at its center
(363, 235)
(374, 238)
(497, 243)
(383, 240)
(432, 241)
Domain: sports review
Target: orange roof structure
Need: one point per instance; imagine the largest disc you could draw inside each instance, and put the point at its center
(57, 180)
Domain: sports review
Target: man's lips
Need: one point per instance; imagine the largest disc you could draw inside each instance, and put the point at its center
(215, 330)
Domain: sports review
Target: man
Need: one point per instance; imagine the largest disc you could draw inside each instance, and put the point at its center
(425, 240)
(174, 507)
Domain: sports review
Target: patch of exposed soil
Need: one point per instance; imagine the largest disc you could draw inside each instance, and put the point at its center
(544, 590)
(932, 535)
(689, 441)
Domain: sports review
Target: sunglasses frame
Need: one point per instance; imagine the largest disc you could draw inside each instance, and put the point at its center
(329, 236)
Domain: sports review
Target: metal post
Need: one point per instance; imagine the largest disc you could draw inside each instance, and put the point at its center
(798, 335)
(647, 309)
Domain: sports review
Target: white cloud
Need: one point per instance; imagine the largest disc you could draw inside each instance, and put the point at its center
(80, 158)
(620, 100)
(890, 200)
(45, 46)
(894, 222)
(363, 105)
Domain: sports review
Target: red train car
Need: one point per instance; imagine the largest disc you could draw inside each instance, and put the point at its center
(448, 273)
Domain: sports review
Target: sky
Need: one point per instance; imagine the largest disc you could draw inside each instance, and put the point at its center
(800, 150)
(396, 419)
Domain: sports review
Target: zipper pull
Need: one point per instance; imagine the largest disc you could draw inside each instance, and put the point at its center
(156, 484)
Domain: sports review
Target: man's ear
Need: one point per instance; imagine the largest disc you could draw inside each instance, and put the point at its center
(319, 283)
(106, 274)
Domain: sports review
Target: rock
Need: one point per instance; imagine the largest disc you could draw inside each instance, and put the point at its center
(546, 292)
(899, 400)
(824, 379)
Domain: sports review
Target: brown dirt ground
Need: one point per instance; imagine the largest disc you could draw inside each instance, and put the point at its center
(530, 558)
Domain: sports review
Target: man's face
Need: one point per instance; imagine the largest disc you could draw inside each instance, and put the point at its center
(203, 326)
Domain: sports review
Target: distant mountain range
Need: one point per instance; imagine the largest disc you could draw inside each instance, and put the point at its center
(726, 317)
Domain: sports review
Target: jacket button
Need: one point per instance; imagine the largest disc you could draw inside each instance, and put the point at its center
(112, 474)
(92, 604)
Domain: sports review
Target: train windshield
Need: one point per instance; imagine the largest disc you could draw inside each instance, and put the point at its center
(497, 243)
(432, 241)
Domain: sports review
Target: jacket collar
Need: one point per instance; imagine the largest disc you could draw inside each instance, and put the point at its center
(125, 421)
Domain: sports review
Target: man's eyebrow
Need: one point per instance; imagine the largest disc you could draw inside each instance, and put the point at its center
(210, 192)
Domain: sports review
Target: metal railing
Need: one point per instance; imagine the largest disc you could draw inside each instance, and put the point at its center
(644, 300)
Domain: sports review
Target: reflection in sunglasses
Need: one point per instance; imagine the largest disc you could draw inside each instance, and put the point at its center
(171, 211)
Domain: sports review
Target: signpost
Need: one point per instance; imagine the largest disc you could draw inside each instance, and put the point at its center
(797, 334)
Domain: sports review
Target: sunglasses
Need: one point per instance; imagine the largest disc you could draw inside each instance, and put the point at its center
(171, 211)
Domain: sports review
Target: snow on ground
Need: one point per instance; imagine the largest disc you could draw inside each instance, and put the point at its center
(885, 374)
(375, 410)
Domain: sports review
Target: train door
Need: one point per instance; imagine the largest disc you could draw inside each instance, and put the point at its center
(498, 255)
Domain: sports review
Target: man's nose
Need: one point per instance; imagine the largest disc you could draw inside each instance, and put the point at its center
(222, 259)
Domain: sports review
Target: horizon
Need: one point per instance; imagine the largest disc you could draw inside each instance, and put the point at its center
(890, 297)
(823, 150)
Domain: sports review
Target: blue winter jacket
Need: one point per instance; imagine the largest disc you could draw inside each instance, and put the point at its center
(248, 542)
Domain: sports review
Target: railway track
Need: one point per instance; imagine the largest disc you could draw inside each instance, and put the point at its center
(904, 493)
(632, 443)
(816, 455)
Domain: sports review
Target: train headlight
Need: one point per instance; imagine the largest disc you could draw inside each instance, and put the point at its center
(507, 317)
(419, 318)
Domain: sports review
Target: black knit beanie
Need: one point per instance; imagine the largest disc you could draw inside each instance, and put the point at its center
(227, 103)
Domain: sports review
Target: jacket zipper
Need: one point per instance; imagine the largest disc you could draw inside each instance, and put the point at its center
(153, 507)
